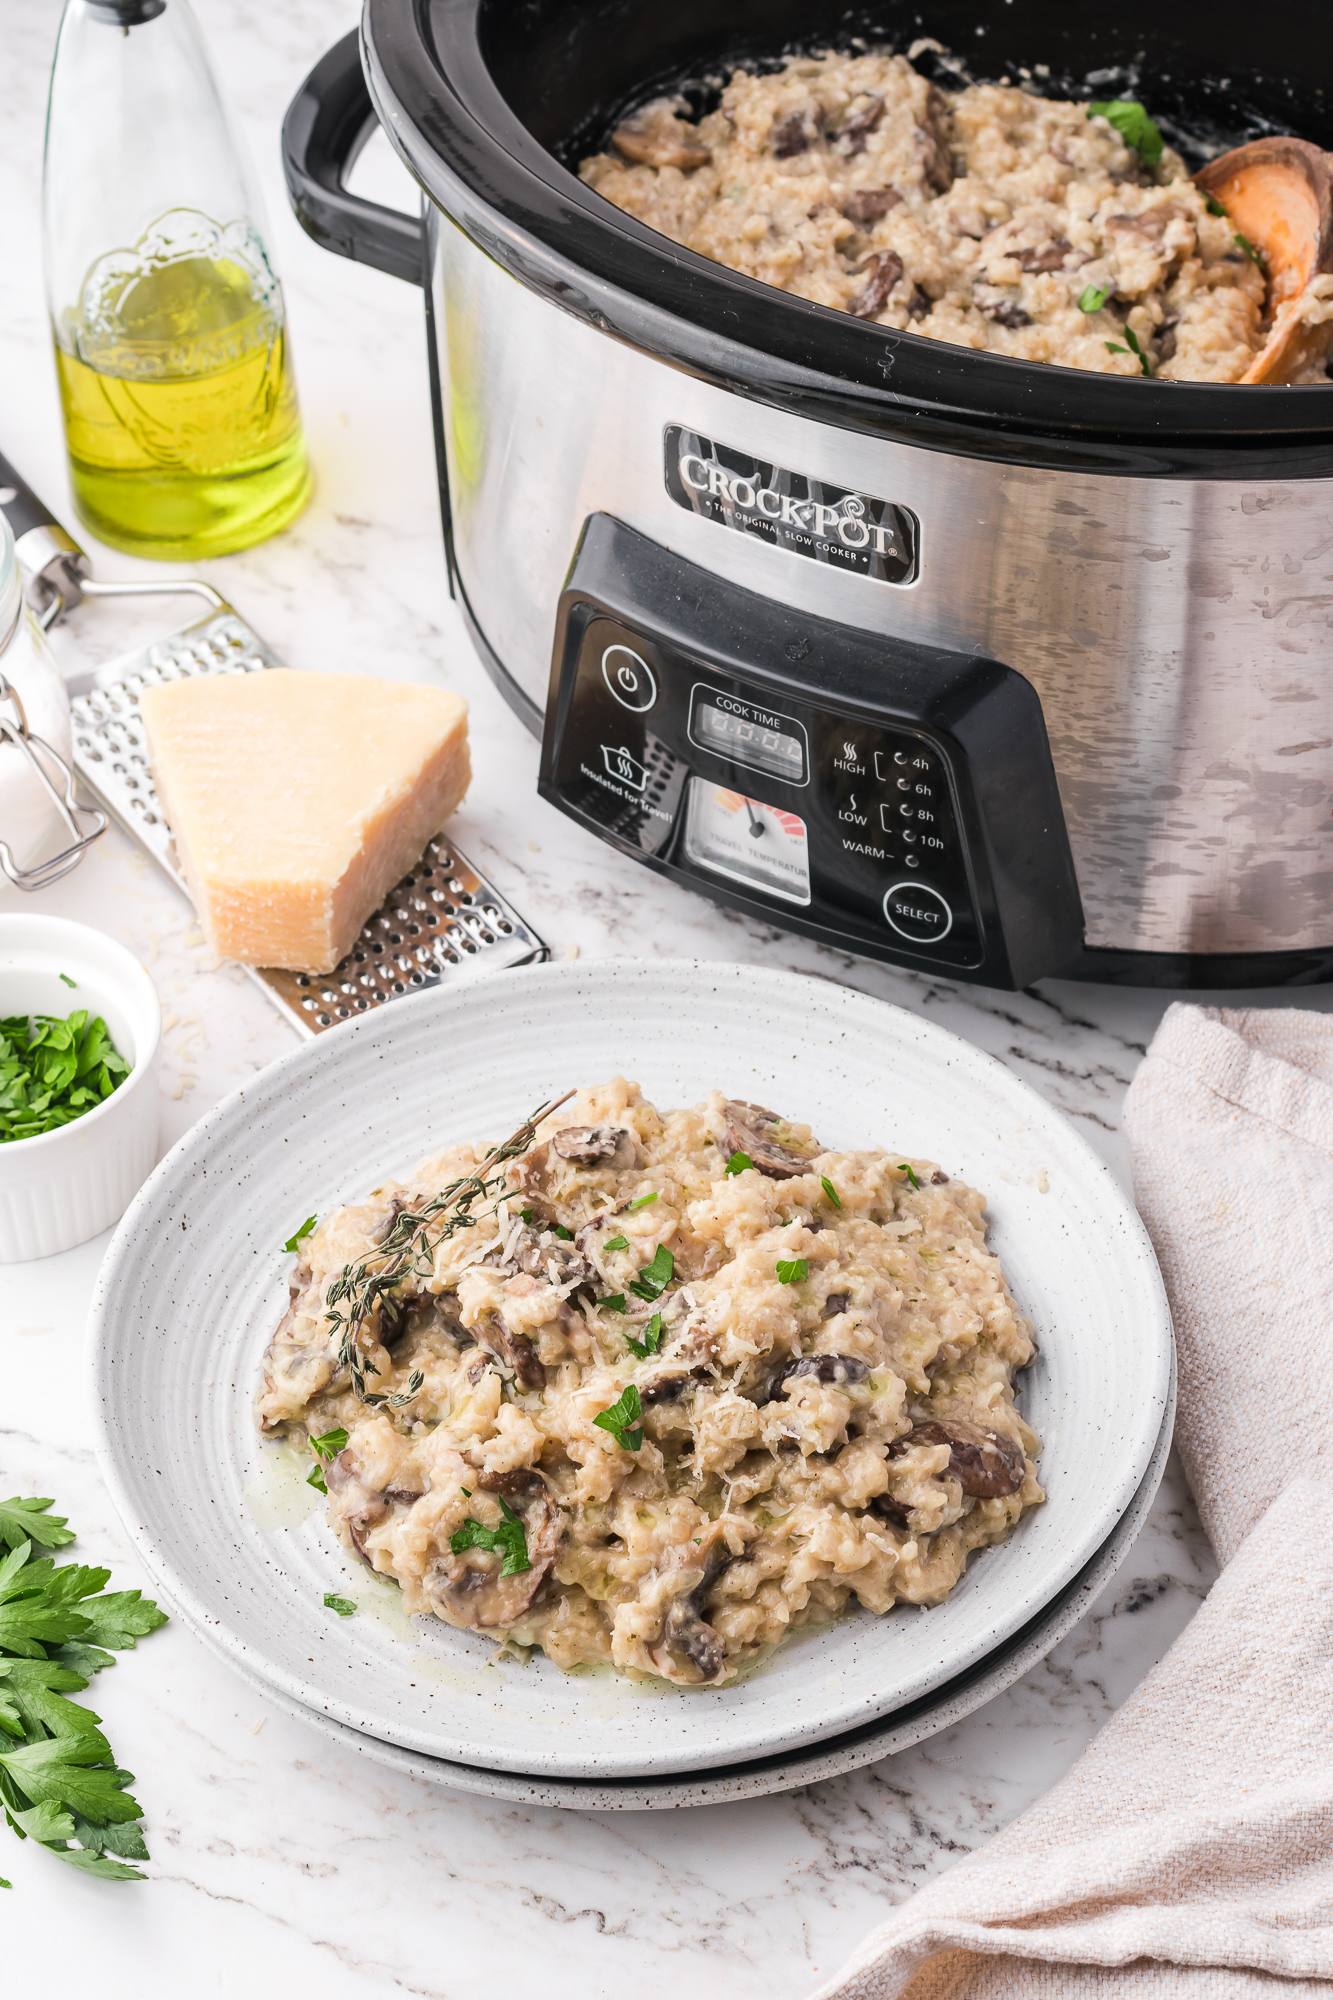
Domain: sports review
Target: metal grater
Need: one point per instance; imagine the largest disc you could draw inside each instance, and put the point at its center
(443, 922)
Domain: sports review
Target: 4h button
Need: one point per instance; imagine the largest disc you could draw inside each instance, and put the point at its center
(917, 912)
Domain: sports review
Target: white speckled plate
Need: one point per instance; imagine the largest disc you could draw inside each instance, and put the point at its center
(195, 1281)
(785, 1770)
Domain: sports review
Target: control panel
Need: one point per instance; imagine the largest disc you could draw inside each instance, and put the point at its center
(895, 800)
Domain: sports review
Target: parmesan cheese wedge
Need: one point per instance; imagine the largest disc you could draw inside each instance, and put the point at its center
(297, 800)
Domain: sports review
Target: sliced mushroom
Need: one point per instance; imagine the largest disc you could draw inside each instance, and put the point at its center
(685, 1629)
(987, 1464)
(598, 1146)
(933, 146)
(514, 1351)
(661, 140)
(749, 1130)
(885, 268)
(1045, 256)
(855, 129)
(835, 1303)
(795, 134)
(869, 205)
(839, 1368)
(1279, 194)
(1006, 313)
(469, 1590)
(386, 1228)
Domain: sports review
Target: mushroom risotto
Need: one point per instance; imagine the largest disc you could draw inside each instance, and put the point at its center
(655, 1388)
(987, 217)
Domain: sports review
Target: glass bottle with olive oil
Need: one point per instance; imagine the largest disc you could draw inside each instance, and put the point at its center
(170, 334)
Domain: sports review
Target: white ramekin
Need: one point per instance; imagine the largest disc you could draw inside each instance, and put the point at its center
(64, 1186)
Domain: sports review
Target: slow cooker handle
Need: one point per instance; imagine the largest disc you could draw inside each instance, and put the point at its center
(327, 124)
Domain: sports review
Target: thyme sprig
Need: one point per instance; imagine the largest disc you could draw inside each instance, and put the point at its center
(409, 1250)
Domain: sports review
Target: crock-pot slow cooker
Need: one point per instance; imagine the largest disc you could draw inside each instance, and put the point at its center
(976, 665)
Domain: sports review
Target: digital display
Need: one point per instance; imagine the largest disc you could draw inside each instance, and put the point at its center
(740, 734)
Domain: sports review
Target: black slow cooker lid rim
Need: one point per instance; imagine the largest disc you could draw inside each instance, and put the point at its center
(459, 137)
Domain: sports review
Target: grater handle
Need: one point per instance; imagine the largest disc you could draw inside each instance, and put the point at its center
(53, 564)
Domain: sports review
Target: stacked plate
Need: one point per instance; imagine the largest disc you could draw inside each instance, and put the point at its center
(196, 1280)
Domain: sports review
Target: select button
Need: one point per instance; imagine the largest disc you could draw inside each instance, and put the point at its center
(917, 912)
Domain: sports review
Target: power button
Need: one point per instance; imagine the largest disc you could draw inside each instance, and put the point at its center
(629, 678)
(917, 912)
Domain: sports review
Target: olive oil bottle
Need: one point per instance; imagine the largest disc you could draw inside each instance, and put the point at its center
(171, 344)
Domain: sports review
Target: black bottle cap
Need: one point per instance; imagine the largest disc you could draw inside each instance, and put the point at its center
(126, 13)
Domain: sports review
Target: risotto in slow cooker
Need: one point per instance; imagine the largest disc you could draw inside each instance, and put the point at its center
(987, 217)
(658, 1388)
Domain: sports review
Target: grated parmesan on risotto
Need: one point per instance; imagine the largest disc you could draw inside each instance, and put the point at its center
(986, 217)
(673, 1385)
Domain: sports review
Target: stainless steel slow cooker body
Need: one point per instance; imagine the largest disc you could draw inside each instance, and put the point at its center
(1156, 560)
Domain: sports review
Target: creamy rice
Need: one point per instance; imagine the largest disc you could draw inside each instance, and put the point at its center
(825, 1404)
(978, 217)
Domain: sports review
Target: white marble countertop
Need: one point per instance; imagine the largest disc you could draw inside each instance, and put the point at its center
(278, 1860)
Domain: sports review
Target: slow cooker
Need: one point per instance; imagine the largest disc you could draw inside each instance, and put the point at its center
(979, 666)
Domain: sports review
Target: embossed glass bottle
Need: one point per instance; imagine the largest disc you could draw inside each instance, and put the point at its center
(170, 334)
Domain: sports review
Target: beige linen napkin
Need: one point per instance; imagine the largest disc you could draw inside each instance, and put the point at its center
(1188, 1855)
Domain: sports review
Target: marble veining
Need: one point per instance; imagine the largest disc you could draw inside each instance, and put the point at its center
(279, 1861)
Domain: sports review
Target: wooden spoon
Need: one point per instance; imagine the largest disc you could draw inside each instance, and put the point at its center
(1279, 194)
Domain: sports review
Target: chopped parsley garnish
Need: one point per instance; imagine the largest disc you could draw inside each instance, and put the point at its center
(616, 1243)
(1113, 347)
(565, 1235)
(1093, 297)
(1255, 257)
(614, 1302)
(904, 1168)
(830, 1190)
(1133, 124)
(324, 1448)
(507, 1540)
(294, 1243)
(655, 1276)
(622, 1419)
(525, 1215)
(642, 1202)
(344, 1606)
(59, 1782)
(738, 1163)
(52, 1071)
(793, 1270)
(67, 981)
(652, 1338)
(1213, 205)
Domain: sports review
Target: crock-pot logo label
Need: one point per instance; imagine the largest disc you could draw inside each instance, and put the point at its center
(846, 530)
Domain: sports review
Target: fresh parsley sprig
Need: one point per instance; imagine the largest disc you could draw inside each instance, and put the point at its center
(793, 1270)
(344, 1606)
(654, 1276)
(59, 1784)
(641, 1201)
(410, 1246)
(652, 1338)
(1093, 297)
(738, 1163)
(326, 1449)
(295, 1241)
(615, 1243)
(507, 1539)
(622, 1419)
(905, 1168)
(1133, 124)
(830, 1190)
